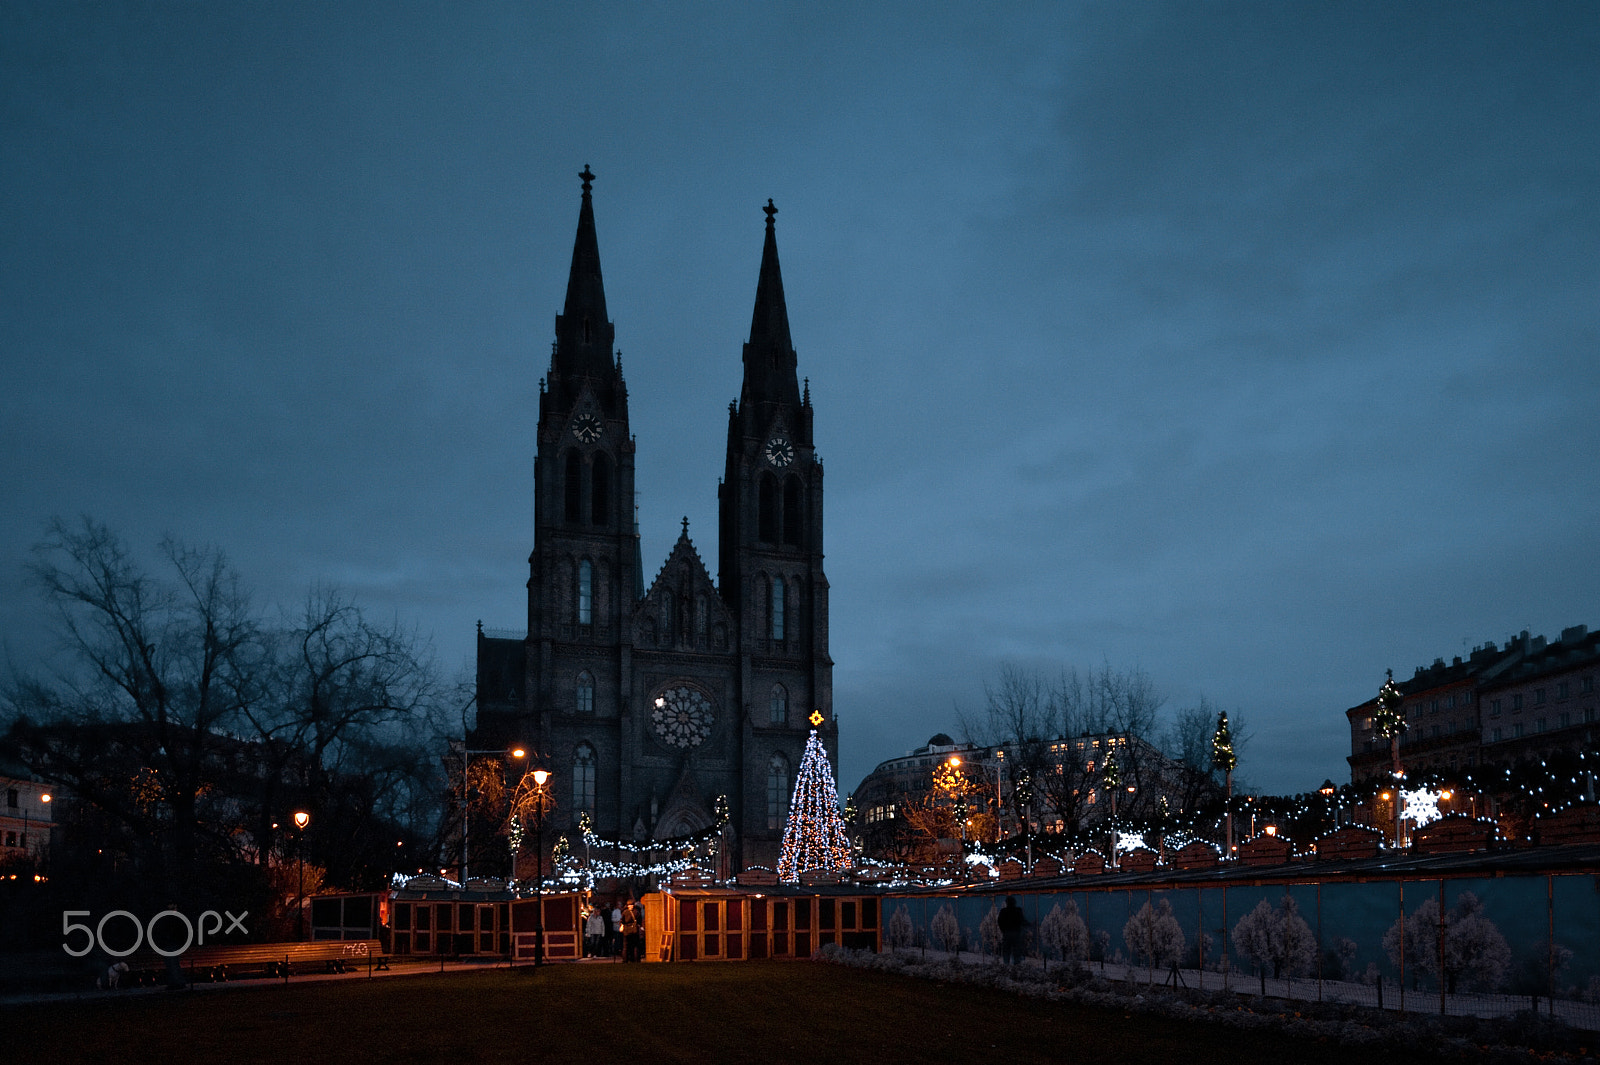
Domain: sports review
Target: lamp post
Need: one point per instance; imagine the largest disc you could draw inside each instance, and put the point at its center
(466, 807)
(28, 852)
(540, 776)
(301, 820)
(956, 788)
(999, 763)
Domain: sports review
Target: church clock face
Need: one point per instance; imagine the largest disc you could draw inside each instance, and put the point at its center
(682, 718)
(587, 427)
(779, 451)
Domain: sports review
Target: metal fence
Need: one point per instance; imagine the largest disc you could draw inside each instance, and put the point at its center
(1464, 946)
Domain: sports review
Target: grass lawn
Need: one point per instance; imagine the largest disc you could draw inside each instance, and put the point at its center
(774, 1012)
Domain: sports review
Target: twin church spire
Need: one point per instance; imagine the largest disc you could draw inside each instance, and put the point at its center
(585, 335)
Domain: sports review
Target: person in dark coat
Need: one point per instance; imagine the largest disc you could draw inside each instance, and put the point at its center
(1013, 928)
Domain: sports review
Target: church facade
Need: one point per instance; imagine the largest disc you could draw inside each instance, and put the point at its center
(651, 696)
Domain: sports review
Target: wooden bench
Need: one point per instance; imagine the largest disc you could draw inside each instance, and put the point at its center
(231, 961)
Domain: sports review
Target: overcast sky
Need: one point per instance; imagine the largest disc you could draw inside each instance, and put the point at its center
(1251, 345)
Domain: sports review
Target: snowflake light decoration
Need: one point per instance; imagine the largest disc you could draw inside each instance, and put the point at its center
(1420, 806)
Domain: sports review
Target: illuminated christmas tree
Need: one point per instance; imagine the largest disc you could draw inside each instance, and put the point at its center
(1223, 760)
(815, 837)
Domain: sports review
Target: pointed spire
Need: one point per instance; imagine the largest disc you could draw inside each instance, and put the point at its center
(583, 332)
(769, 358)
(769, 325)
(586, 293)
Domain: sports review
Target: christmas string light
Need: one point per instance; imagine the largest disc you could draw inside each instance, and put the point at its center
(814, 837)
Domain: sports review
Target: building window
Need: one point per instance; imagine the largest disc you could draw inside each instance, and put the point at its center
(777, 790)
(1516, 731)
(1566, 719)
(600, 491)
(1494, 708)
(780, 705)
(1496, 736)
(11, 798)
(572, 487)
(1538, 696)
(767, 511)
(1588, 685)
(791, 510)
(583, 780)
(1516, 701)
(585, 699)
(1538, 726)
(775, 610)
(1563, 690)
(585, 593)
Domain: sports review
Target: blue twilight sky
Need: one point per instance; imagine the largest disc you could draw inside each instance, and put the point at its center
(1253, 345)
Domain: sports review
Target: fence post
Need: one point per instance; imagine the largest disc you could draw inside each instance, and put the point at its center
(1401, 890)
(1550, 941)
(1441, 947)
(1320, 950)
(1224, 937)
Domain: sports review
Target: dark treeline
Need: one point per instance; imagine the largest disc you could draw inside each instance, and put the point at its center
(183, 727)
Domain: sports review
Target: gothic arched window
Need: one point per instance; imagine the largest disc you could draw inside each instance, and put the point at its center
(775, 610)
(585, 593)
(585, 700)
(780, 705)
(600, 490)
(791, 510)
(572, 487)
(767, 505)
(777, 790)
(583, 768)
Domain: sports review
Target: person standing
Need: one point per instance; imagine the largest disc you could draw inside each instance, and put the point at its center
(614, 931)
(630, 933)
(594, 933)
(1013, 924)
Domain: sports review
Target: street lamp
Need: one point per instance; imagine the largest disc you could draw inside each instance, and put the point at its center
(301, 820)
(999, 763)
(27, 851)
(540, 776)
(466, 807)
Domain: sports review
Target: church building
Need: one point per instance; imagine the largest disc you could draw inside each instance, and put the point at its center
(649, 695)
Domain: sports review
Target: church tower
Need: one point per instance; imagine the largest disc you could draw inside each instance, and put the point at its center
(649, 698)
(770, 530)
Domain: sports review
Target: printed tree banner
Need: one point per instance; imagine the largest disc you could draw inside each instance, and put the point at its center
(1383, 936)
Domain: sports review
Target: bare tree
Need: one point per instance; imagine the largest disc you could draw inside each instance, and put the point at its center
(1276, 938)
(1154, 935)
(135, 721)
(1063, 933)
(1475, 954)
(189, 726)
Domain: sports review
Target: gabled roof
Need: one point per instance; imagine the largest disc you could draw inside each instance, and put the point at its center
(683, 571)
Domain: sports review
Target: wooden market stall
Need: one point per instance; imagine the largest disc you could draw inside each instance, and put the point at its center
(732, 924)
